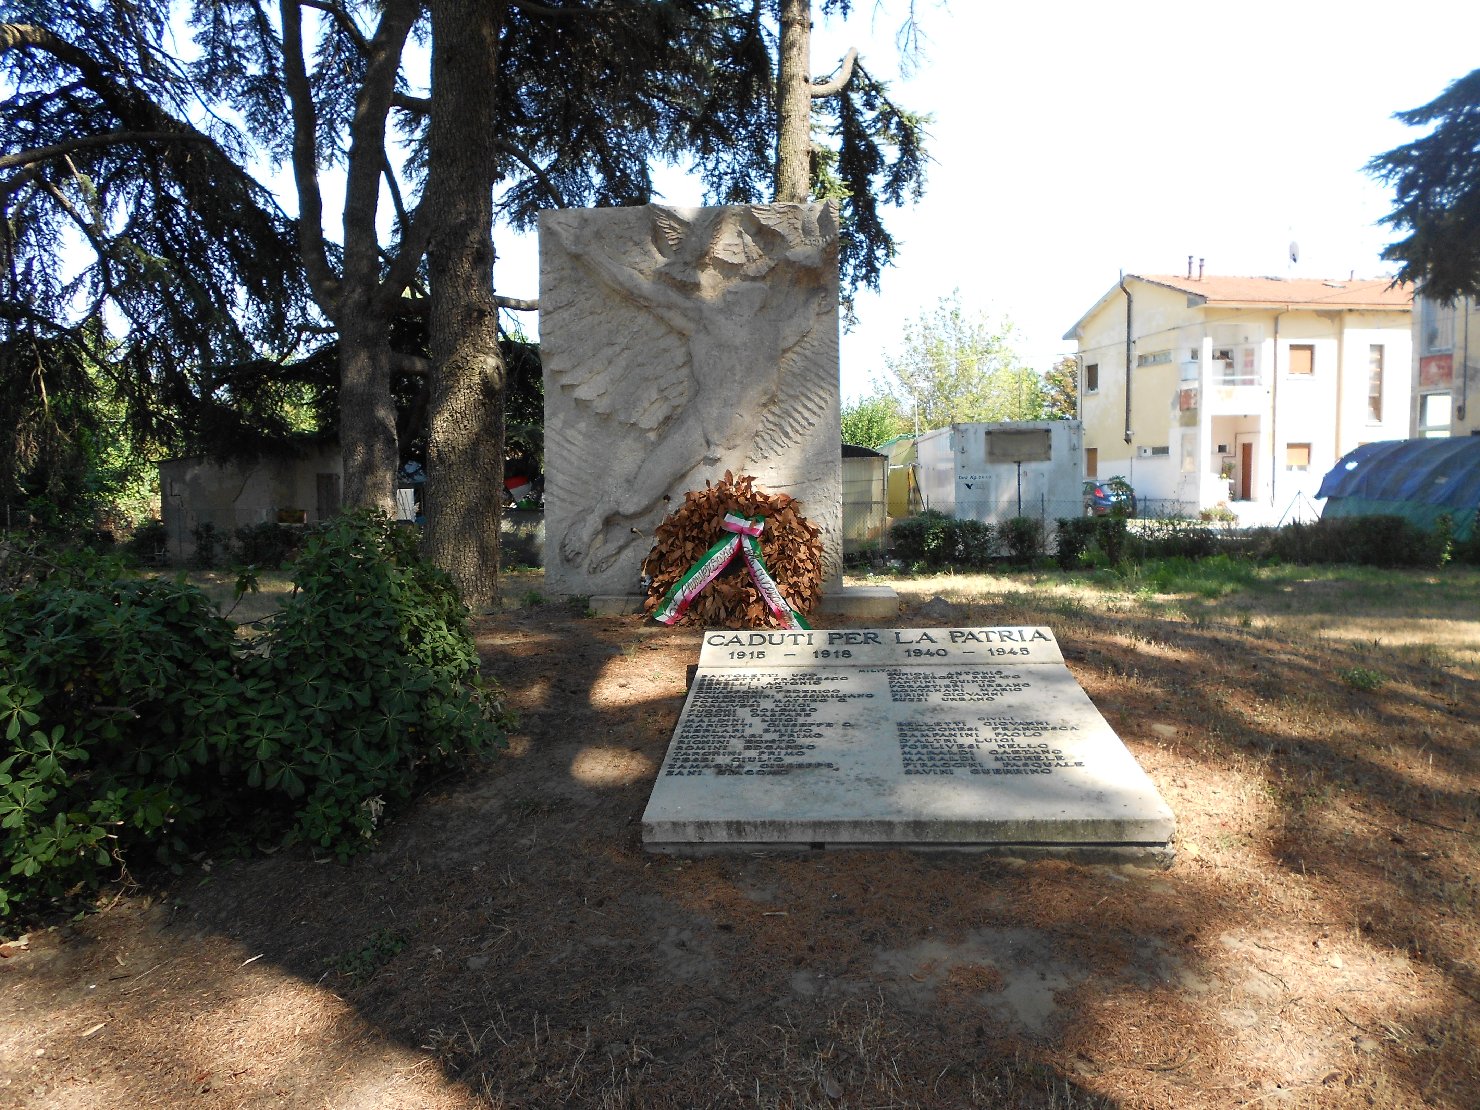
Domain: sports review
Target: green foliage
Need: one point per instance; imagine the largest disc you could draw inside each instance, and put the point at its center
(873, 421)
(1168, 538)
(1022, 536)
(933, 539)
(1061, 390)
(209, 543)
(1378, 541)
(115, 697)
(266, 544)
(137, 726)
(957, 366)
(1075, 536)
(1467, 551)
(368, 683)
(1216, 576)
(1436, 180)
(378, 950)
(1362, 678)
(148, 542)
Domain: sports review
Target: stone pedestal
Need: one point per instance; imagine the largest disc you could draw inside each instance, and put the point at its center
(946, 738)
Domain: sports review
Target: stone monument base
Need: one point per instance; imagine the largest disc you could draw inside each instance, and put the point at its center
(956, 739)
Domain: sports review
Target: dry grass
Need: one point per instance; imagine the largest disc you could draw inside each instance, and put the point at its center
(1314, 944)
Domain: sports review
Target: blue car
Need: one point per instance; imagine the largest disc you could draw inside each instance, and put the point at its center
(1110, 497)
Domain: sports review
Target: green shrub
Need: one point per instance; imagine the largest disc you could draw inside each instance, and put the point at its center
(266, 544)
(137, 727)
(208, 544)
(933, 539)
(1169, 538)
(1378, 541)
(1022, 536)
(367, 683)
(116, 700)
(149, 541)
(1075, 536)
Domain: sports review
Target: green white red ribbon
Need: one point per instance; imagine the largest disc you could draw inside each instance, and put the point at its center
(742, 535)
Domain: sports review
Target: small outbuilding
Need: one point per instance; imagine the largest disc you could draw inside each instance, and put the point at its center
(1417, 479)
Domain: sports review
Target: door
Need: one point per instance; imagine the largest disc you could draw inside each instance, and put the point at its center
(326, 490)
(1246, 472)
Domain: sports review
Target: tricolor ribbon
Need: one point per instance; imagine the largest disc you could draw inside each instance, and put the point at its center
(742, 536)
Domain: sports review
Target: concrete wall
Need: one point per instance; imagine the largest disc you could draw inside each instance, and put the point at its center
(196, 491)
(966, 474)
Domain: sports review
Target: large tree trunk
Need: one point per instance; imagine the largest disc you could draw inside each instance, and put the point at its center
(367, 414)
(794, 104)
(465, 460)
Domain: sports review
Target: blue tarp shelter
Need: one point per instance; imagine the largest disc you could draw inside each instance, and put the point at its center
(1417, 479)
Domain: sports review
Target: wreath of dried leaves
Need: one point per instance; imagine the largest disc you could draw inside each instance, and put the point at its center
(790, 544)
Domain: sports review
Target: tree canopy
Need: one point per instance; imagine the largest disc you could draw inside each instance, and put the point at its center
(874, 421)
(210, 305)
(957, 366)
(1061, 389)
(1436, 182)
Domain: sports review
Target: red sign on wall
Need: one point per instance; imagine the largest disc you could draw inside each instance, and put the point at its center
(1435, 370)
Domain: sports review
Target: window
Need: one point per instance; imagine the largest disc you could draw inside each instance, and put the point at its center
(1092, 378)
(1374, 384)
(1297, 456)
(1436, 323)
(1091, 462)
(1433, 415)
(1155, 358)
(1302, 360)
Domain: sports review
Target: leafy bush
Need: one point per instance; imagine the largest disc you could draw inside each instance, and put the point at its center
(1378, 541)
(266, 544)
(1091, 540)
(1169, 538)
(208, 542)
(933, 539)
(115, 699)
(1022, 536)
(138, 727)
(149, 540)
(369, 681)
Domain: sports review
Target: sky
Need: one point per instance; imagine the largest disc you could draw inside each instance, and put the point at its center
(1071, 142)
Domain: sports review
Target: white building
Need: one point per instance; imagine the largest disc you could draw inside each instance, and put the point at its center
(1243, 391)
(1446, 365)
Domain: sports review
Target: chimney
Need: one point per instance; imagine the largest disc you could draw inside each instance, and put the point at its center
(1199, 269)
(1189, 267)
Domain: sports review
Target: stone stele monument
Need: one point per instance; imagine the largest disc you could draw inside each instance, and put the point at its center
(679, 343)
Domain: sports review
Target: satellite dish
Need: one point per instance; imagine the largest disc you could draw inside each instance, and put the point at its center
(1294, 251)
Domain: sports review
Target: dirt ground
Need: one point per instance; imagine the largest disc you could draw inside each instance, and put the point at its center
(509, 943)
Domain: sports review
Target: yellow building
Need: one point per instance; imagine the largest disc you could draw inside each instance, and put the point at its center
(1446, 368)
(1209, 390)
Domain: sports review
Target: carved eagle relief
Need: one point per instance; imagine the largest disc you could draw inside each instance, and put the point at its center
(708, 336)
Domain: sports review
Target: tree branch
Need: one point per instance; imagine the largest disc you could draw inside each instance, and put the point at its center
(517, 304)
(346, 24)
(840, 82)
(112, 138)
(416, 105)
(533, 167)
(306, 163)
(367, 145)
